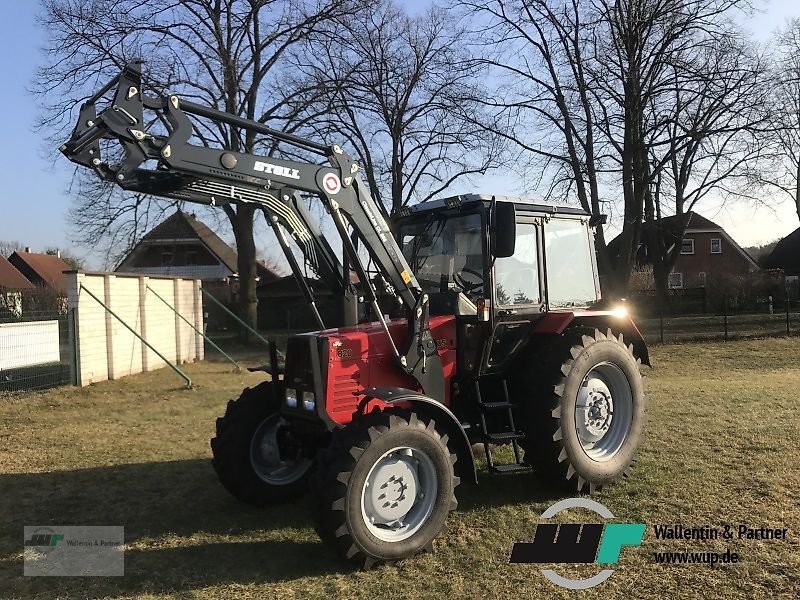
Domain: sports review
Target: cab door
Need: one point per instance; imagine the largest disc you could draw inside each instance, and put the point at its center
(517, 298)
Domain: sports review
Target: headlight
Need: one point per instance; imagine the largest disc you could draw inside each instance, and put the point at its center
(620, 311)
(309, 402)
(291, 397)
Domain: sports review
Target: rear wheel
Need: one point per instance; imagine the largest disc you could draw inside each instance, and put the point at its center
(584, 411)
(255, 456)
(385, 487)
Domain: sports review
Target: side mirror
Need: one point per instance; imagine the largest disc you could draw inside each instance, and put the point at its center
(503, 229)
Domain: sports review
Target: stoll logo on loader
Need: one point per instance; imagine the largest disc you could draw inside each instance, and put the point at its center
(576, 543)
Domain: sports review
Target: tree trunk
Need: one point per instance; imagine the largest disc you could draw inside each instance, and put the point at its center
(246, 249)
(797, 189)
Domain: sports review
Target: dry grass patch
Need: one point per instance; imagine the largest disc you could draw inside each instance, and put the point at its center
(722, 446)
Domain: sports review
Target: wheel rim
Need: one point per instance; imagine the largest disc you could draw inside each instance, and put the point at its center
(399, 494)
(271, 462)
(604, 411)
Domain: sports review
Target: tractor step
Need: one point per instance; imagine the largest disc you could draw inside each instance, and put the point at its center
(512, 468)
(510, 434)
(503, 437)
(487, 406)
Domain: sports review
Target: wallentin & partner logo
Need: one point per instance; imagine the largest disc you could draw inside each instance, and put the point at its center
(575, 543)
(44, 537)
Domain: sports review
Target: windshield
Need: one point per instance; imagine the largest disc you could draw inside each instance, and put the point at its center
(446, 253)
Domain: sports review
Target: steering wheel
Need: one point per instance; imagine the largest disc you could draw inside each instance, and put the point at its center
(468, 287)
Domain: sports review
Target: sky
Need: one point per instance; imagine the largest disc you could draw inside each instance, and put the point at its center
(34, 179)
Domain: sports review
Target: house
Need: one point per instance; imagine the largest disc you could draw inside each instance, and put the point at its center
(184, 246)
(786, 257)
(707, 252)
(43, 270)
(12, 285)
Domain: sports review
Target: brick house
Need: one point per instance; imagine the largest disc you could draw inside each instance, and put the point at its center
(707, 253)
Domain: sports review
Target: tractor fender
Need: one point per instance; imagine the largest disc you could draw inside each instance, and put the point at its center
(558, 321)
(397, 395)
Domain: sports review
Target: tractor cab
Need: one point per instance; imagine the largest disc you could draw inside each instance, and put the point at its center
(498, 264)
(460, 247)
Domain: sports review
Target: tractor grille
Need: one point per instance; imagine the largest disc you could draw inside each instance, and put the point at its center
(343, 398)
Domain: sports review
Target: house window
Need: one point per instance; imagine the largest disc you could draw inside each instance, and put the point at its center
(701, 279)
(687, 246)
(191, 257)
(716, 246)
(675, 280)
(166, 259)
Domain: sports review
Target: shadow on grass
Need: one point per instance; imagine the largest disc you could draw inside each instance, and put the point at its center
(184, 499)
(501, 490)
(157, 500)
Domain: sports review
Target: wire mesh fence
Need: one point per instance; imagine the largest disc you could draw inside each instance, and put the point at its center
(777, 316)
(35, 349)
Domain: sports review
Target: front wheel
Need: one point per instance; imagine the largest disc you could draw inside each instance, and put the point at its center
(255, 456)
(585, 411)
(385, 488)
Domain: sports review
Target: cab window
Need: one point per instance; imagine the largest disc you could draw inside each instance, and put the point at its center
(517, 277)
(570, 271)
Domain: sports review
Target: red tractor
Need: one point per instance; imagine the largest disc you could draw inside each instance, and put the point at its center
(485, 325)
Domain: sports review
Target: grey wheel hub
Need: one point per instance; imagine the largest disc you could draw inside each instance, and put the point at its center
(270, 462)
(604, 411)
(399, 494)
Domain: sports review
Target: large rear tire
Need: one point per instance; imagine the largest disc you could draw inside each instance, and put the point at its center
(584, 410)
(254, 456)
(385, 487)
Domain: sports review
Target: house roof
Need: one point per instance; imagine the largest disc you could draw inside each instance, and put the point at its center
(184, 226)
(786, 254)
(48, 267)
(11, 279)
(695, 223)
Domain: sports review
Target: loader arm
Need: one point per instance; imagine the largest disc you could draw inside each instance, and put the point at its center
(168, 165)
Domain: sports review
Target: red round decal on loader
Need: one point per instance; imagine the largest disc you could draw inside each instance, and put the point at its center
(331, 183)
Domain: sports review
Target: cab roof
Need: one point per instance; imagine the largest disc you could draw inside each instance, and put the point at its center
(524, 204)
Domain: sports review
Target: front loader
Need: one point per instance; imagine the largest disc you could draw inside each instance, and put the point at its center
(486, 326)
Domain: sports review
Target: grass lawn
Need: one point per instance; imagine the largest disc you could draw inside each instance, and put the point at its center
(722, 447)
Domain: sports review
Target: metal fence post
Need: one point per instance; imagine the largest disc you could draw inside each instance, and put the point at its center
(725, 317)
(787, 310)
(74, 362)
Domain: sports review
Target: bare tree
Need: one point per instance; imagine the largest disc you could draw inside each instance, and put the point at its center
(225, 54)
(405, 95)
(780, 170)
(581, 80)
(705, 138)
(7, 248)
